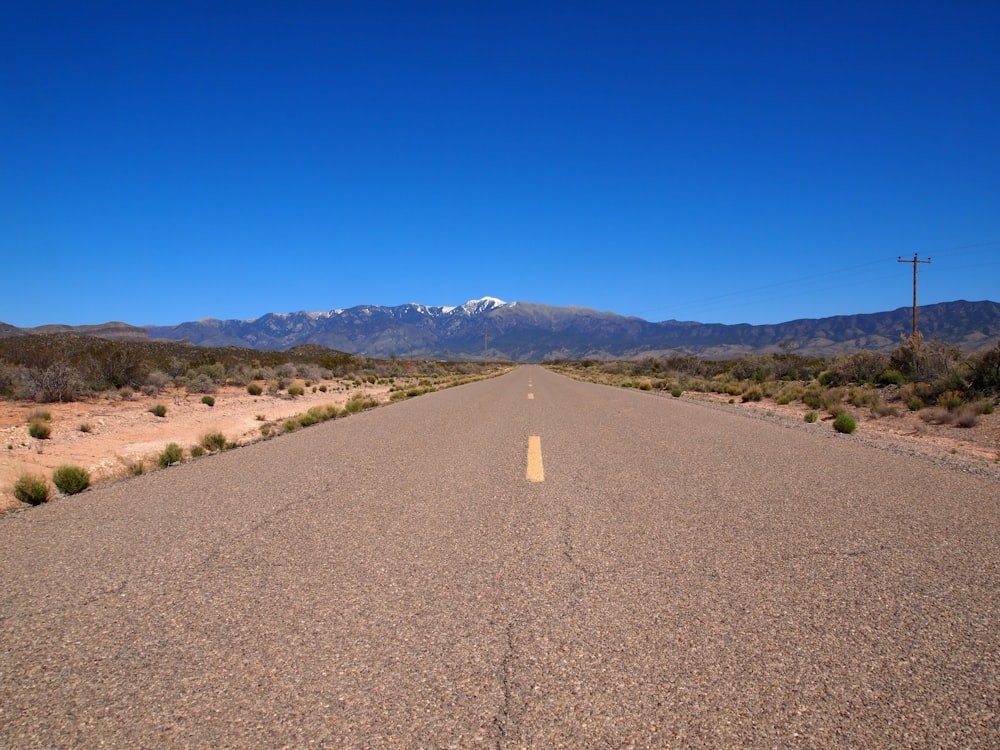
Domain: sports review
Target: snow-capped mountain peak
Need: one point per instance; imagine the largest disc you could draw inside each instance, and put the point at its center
(481, 305)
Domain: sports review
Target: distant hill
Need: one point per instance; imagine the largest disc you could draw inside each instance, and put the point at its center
(112, 330)
(532, 332)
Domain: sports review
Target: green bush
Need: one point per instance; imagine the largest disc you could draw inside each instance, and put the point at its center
(213, 441)
(254, 389)
(158, 410)
(208, 400)
(170, 455)
(197, 450)
(31, 489)
(39, 430)
(295, 390)
(71, 479)
(811, 416)
(86, 427)
(753, 394)
(845, 423)
(676, 392)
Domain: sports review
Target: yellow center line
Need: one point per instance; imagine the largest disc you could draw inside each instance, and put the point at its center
(531, 396)
(535, 471)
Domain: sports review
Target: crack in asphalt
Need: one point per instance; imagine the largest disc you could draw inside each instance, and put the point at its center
(502, 719)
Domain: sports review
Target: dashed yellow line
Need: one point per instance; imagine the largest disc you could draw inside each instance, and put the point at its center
(531, 396)
(536, 473)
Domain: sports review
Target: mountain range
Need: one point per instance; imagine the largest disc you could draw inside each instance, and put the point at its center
(532, 332)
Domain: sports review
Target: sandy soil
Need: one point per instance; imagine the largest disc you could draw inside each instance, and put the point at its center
(971, 448)
(124, 431)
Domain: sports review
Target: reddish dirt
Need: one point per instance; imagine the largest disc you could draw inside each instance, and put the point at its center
(125, 431)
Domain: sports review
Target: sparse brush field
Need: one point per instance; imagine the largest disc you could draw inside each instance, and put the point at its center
(115, 389)
(932, 396)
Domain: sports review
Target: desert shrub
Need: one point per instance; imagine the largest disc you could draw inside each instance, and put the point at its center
(862, 397)
(938, 415)
(290, 425)
(295, 390)
(158, 410)
(845, 423)
(359, 402)
(322, 389)
(812, 397)
(172, 454)
(967, 416)
(213, 441)
(890, 377)
(857, 367)
(200, 383)
(265, 430)
(135, 468)
(39, 415)
(951, 400)
(208, 400)
(788, 393)
(835, 410)
(884, 410)
(254, 389)
(197, 451)
(39, 430)
(676, 392)
(31, 489)
(85, 427)
(58, 382)
(811, 416)
(155, 382)
(309, 418)
(984, 371)
(756, 368)
(924, 360)
(915, 395)
(753, 394)
(71, 479)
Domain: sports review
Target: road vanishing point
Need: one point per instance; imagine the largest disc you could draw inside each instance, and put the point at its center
(523, 562)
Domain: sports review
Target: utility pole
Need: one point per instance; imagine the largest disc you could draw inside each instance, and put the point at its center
(915, 261)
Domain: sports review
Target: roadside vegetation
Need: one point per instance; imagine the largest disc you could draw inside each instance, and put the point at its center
(67, 367)
(63, 367)
(936, 381)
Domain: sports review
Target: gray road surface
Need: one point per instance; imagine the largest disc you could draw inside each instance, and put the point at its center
(683, 577)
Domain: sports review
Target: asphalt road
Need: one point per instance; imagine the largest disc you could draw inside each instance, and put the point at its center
(670, 576)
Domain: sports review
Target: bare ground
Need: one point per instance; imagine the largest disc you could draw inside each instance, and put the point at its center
(123, 431)
(969, 448)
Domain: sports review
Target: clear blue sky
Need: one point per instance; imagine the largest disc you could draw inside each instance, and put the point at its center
(711, 161)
